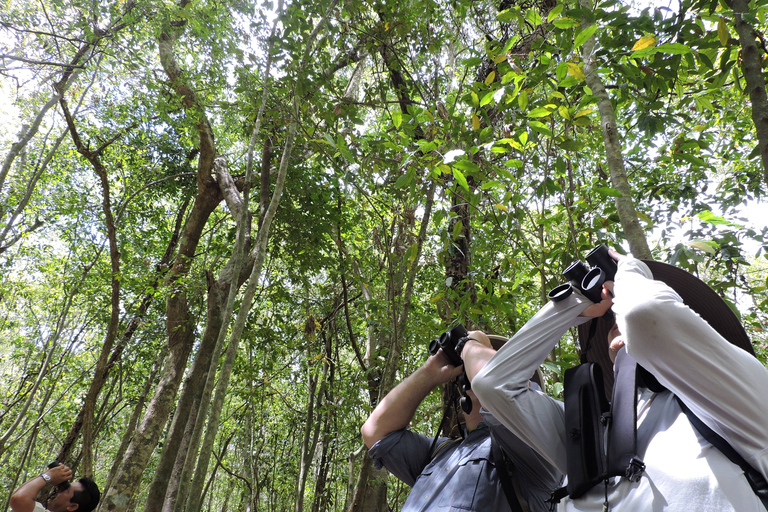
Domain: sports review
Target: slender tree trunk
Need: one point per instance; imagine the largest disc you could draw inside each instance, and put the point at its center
(324, 464)
(187, 406)
(752, 67)
(135, 417)
(370, 492)
(625, 206)
(307, 446)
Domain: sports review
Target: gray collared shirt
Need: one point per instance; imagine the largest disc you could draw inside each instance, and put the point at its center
(462, 476)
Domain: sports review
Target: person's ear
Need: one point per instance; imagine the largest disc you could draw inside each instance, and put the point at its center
(72, 507)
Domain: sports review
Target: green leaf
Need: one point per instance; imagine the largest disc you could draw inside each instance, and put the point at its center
(405, 179)
(397, 118)
(565, 23)
(522, 100)
(466, 165)
(706, 247)
(673, 48)
(585, 34)
(461, 180)
(457, 229)
(555, 12)
(540, 128)
(722, 32)
(571, 145)
(532, 16)
(487, 98)
(539, 112)
(509, 15)
(607, 191)
(710, 218)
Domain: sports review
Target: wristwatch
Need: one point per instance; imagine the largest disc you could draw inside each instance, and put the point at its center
(46, 477)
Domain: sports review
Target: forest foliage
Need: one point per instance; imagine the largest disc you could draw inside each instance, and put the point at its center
(228, 228)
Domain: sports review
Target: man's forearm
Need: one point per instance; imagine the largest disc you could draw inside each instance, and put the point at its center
(397, 408)
(475, 356)
(23, 500)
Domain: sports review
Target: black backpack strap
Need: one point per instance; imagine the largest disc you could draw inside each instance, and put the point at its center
(622, 427)
(585, 406)
(754, 477)
(516, 502)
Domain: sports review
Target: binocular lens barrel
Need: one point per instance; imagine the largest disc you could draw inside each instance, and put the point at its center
(599, 257)
(593, 284)
(575, 272)
(560, 292)
(588, 279)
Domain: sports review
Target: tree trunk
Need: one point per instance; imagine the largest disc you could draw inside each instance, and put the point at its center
(752, 67)
(625, 206)
(370, 494)
(135, 417)
(187, 406)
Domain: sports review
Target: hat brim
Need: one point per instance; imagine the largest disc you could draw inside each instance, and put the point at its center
(696, 294)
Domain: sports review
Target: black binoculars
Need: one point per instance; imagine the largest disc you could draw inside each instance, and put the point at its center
(448, 341)
(588, 279)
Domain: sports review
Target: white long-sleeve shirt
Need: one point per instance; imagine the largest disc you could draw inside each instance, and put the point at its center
(722, 384)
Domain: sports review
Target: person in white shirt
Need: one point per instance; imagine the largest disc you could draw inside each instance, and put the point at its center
(689, 346)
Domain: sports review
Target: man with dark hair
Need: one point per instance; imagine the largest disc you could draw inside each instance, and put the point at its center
(81, 496)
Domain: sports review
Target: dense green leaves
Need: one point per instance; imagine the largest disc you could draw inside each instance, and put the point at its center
(475, 115)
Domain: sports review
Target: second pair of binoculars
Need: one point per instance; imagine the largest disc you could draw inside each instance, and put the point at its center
(588, 279)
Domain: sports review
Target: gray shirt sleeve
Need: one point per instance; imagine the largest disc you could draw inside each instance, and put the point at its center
(403, 453)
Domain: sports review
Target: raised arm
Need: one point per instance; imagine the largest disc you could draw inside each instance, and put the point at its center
(502, 383)
(396, 409)
(722, 384)
(23, 500)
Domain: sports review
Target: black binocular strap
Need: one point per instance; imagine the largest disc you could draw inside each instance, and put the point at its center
(754, 477)
(506, 478)
(622, 456)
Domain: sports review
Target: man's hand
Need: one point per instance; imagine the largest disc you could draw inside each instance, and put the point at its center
(23, 500)
(59, 474)
(606, 302)
(440, 370)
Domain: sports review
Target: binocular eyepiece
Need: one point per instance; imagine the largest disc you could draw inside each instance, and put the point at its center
(447, 341)
(588, 279)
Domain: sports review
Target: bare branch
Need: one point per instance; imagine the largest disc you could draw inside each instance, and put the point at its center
(40, 62)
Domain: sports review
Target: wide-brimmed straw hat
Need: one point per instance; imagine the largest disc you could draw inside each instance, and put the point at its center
(696, 294)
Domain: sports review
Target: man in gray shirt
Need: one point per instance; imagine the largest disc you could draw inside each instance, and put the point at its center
(459, 474)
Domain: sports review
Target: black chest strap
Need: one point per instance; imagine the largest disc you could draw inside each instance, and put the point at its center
(622, 425)
(508, 479)
(591, 458)
(754, 477)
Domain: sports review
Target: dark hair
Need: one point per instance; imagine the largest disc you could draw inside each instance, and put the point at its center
(88, 498)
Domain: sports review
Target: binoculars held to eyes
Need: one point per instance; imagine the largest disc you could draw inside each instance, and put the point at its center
(450, 342)
(588, 279)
